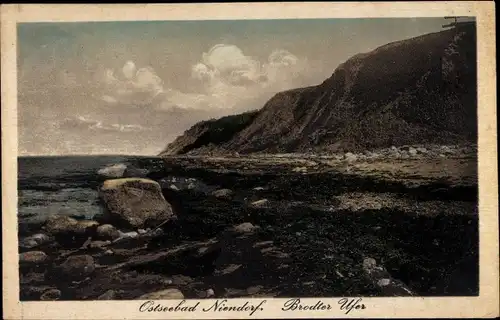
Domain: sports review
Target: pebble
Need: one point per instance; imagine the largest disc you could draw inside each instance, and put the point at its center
(210, 293)
(223, 193)
(259, 203)
(384, 282)
(245, 227)
(32, 257)
(108, 295)
(170, 293)
(51, 294)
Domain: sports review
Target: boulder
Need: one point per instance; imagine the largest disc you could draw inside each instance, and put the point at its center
(171, 293)
(134, 203)
(51, 294)
(412, 151)
(32, 258)
(223, 193)
(64, 225)
(34, 241)
(107, 232)
(77, 267)
(112, 171)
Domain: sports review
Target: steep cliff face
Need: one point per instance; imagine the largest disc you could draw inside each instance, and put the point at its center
(213, 132)
(416, 91)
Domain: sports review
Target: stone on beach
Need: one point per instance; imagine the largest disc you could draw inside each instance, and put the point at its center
(99, 244)
(350, 157)
(133, 172)
(78, 266)
(223, 193)
(170, 293)
(64, 225)
(108, 295)
(381, 278)
(51, 294)
(34, 241)
(107, 232)
(32, 258)
(245, 227)
(260, 203)
(134, 203)
(113, 171)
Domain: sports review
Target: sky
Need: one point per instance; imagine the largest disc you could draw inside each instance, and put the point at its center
(131, 87)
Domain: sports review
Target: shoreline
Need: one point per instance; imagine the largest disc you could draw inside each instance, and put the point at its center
(276, 221)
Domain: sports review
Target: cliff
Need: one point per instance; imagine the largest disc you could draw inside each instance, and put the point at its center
(416, 91)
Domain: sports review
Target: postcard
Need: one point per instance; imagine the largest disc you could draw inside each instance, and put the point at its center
(249, 160)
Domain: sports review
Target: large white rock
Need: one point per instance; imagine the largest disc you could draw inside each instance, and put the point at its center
(113, 171)
(134, 203)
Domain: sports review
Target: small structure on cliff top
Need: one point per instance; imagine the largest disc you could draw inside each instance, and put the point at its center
(457, 23)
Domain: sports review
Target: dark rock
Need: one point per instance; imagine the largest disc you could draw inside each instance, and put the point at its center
(69, 231)
(33, 292)
(108, 295)
(181, 280)
(52, 294)
(133, 172)
(254, 289)
(107, 232)
(99, 244)
(32, 258)
(170, 293)
(223, 193)
(77, 267)
(380, 278)
(34, 241)
(260, 203)
(245, 227)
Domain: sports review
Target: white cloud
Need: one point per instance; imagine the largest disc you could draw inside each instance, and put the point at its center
(133, 87)
(228, 80)
(97, 125)
(129, 70)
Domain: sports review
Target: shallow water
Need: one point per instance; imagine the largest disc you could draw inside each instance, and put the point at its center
(63, 185)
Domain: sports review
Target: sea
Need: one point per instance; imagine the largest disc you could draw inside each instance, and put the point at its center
(65, 185)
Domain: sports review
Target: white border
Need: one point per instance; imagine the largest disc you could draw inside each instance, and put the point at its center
(486, 305)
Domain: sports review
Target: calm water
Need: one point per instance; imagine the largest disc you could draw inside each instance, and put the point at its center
(62, 185)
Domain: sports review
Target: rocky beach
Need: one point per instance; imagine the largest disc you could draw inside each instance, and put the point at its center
(388, 222)
(363, 185)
